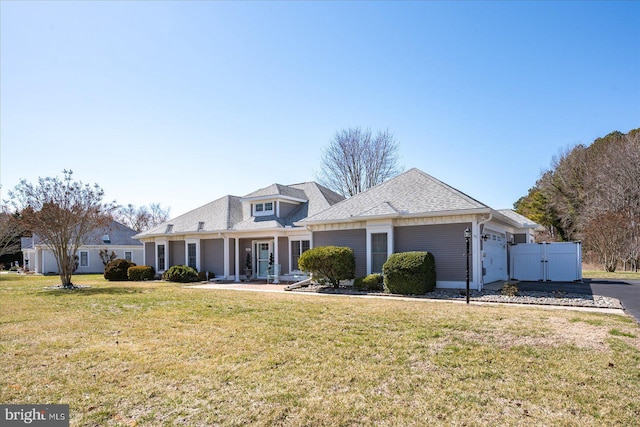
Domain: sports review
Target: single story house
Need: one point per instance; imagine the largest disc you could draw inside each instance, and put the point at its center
(274, 225)
(115, 237)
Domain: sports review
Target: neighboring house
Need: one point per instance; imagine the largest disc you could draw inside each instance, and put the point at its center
(411, 212)
(115, 238)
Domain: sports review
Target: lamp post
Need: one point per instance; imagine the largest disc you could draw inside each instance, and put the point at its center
(467, 237)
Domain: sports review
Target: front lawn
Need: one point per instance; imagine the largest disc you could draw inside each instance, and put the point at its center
(161, 354)
(601, 274)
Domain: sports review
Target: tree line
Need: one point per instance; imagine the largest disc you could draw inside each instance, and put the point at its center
(592, 193)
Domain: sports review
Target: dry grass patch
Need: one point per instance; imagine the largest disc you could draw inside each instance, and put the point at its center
(160, 354)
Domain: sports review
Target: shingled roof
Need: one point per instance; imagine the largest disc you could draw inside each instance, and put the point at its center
(411, 193)
(226, 213)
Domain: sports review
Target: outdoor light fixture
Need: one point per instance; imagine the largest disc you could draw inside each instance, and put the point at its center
(467, 237)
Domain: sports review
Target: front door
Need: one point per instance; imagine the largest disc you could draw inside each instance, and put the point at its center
(263, 252)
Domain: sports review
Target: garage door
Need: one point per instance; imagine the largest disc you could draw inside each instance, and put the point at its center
(494, 256)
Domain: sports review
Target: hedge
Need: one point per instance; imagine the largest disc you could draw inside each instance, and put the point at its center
(140, 273)
(181, 273)
(116, 270)
(372, 282)
(409, 273)
(333, 263)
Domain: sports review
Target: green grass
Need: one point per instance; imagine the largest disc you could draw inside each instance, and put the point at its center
(126, 354)
(601, 274)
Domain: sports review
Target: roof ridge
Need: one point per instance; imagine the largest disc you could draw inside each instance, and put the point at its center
(448, 187)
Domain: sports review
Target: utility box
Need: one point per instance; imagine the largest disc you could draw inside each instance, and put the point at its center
(549, 262)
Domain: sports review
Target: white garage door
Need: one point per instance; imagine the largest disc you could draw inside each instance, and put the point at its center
(494, 256)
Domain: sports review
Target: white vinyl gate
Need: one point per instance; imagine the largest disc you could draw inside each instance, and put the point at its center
(556, 262)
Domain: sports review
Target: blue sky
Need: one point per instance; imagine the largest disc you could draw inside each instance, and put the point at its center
(183, 102)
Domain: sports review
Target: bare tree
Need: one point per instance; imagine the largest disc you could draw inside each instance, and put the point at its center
(10, 232)
(63, 213)
(141, 218)
(606, 237)
(355, 161)
(107, 257)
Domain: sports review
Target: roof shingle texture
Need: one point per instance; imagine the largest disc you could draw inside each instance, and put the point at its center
(412, 192)
(226, 213)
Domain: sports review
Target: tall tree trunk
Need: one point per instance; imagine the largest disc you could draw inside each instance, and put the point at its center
(67, 267)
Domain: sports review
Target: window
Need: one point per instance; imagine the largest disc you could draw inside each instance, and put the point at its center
(298, 247)
(160, 257)
(378, 251)
(201, 226)
(263, 208)
(106, 239)
(127, 255)
(169, 228)
(84, 259)
(191, 255)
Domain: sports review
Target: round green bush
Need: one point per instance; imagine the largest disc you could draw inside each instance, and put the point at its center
(331, 263)
(116, 270)
(181, 274)
(140, 273)
(372, 282)
(409, 273)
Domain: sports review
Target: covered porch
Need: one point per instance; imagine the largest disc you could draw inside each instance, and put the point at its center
(233, 257)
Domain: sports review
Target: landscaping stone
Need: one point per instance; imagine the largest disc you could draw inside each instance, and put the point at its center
(523, 297)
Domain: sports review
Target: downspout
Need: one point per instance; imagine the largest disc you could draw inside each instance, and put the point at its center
(477, 266)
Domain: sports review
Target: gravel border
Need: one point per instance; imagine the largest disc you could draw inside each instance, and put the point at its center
(524, 297)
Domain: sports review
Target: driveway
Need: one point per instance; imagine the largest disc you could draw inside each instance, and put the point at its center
(627, 291)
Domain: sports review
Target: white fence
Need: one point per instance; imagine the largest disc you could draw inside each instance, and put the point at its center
(557, 262)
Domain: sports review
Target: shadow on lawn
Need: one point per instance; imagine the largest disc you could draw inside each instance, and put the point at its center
(89, 291)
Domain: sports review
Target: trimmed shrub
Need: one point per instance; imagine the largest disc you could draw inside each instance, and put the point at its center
(372, 282)
(331, 263)
(202, 276)
(116, 270)
(140, 273)
(181, 273)
(409, 273)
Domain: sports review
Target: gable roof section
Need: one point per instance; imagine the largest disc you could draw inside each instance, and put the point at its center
(119, 235)
(521, 220)
(276, 190)
(218, 215)
(226, 213)
(411, 193)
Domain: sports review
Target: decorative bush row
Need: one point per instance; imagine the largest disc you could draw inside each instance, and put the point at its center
(409, 273)
(116, 270)
(331, 263)
(181, 274)
(140, 273)
(372, 282)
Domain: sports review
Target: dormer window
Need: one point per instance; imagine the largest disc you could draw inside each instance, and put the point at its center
(261, 209)
(169, 228)
(201, 226)
(106, 239)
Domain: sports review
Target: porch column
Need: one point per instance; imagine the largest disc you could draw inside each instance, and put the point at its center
(36, 261)
(225, 257)
(276, 258)
(237, 260)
